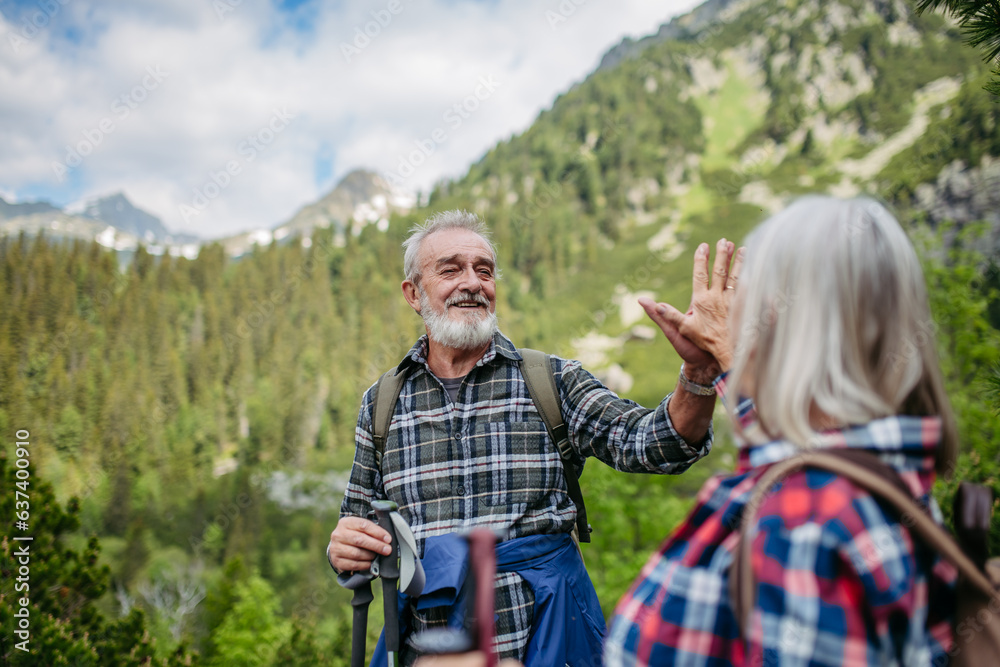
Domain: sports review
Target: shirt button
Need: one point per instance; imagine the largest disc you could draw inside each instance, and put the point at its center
(461, 491)
(458, 437)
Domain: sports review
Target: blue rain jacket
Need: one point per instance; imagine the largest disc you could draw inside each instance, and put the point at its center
(568, 625)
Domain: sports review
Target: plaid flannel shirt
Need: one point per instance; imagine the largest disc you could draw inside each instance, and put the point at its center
(486, 460)
(838, 580)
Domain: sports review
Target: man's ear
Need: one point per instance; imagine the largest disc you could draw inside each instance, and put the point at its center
(412, 294)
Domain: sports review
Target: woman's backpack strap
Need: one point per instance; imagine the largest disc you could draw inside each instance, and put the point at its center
(975, 591)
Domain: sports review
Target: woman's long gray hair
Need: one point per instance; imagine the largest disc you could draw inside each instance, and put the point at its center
(832, 319)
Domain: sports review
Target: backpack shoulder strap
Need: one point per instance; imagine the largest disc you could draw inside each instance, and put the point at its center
(536, 369)
(386, 394)
(872, 477)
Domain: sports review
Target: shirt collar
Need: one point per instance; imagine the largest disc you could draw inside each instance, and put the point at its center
(914, 438)
(499, 346)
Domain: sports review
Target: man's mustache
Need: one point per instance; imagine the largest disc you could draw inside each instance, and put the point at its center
(468, 296)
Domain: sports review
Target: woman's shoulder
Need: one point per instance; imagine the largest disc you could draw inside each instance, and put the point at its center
(830, 508)
(838, 527)
(815, 496)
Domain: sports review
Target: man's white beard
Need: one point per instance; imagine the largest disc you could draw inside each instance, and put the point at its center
(474, 332)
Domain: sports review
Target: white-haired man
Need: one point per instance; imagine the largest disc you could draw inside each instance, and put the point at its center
(467, 448)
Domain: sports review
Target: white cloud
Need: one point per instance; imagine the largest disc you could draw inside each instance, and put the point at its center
(222, 80)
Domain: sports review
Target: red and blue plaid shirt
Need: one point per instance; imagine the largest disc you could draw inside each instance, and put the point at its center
(838, 580)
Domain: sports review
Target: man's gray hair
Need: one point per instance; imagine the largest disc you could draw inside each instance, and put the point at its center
(831, 316)
(456, 219)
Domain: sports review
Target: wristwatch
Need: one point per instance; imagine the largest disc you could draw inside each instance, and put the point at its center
(694, 387)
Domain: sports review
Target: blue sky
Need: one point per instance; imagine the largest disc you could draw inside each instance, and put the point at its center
(265, 104)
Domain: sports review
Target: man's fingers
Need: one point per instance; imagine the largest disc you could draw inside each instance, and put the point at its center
(356, 554)
(670, 315)
(666, 316)
(353, 565)
(367, 527)
(358, 533)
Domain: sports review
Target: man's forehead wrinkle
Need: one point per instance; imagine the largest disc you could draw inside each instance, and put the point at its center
(460, 258)
(454, 242)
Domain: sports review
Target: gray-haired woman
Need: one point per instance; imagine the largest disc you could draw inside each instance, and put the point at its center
(824, 326)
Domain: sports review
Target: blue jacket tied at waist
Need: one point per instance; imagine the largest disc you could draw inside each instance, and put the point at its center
(568, 626)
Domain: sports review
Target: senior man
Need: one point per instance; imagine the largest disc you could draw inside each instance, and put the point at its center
(467, 448)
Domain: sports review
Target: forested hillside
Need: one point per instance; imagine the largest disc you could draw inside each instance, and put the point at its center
(202, 410)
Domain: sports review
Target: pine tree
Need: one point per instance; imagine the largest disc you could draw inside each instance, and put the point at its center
(253, 630)
(980, 22)
(61, 588)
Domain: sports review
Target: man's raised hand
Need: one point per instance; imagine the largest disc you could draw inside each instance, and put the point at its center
(701, 335)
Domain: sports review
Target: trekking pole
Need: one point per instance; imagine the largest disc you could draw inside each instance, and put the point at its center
(482, 553)
(478, 630)
(389, 571)
(402, 565)
(361, 584)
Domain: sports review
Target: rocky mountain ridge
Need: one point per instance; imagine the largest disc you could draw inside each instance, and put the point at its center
(720, 118)
(688, 26)
(120, 213)
(780, 97)
(361, 198)
(112, 221)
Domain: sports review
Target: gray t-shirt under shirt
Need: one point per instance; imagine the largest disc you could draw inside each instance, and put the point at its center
(451, 385)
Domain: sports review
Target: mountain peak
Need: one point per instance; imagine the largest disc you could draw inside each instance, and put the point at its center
(361, 197)
(9, 210)
(118, 211)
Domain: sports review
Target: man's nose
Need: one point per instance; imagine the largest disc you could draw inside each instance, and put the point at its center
(470, 280)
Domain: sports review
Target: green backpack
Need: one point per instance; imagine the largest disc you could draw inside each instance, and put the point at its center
(537, 373)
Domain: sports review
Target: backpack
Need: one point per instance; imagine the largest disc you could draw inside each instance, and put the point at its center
(976, 625)
(537, 373)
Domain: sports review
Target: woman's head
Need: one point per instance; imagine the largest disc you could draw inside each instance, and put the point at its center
(831, 322)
